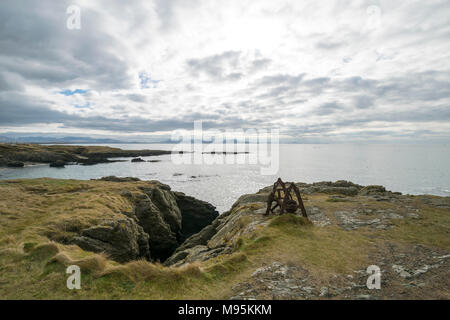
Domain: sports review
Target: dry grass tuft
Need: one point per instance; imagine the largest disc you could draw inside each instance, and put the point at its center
(12, 252)
(8, 240)
(290, 219)
(143, 270)
(94, 263)
(44, 251)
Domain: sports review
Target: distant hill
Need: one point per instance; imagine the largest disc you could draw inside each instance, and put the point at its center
(69, 140)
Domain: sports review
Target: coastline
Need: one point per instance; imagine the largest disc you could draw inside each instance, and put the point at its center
(17, 155)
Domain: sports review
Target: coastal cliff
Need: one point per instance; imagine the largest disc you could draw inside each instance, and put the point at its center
(140, 239)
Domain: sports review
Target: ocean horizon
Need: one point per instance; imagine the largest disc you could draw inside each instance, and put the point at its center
(408, 168)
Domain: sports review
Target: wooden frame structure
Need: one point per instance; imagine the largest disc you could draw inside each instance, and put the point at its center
(286, 200)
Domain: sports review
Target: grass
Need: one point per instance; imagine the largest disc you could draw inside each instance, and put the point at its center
(35, 212)
(433, 229)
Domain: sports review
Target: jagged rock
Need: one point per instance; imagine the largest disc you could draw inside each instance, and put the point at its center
(161, 219)
(95, 160)
(251, 198)
(317, 217)
(339, 187)
(123, 240)
(15, 164)
(401, 271)
(222, 234)
(196, 214)
(137, 160)
(117, 179)
(58, 164)
(199, 239)
(197, 253)
(343, 187)
(156, 211)
(372, 190)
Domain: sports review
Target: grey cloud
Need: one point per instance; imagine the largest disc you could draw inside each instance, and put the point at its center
(136, 124)
(229, 65)
(37, 46)
(328, 108)
(280, 79)
(363, 102)
(10, 82)
(37, 49)
(234, 76)
(18, 109)
(136, 97)
(329, 45)
(260, 64)
(217, 66)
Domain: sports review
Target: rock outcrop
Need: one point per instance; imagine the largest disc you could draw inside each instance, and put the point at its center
(196, 214)
(58, 164)
(160, 218)
(123, 240)
(84, 155)
(15, 164)
(246, 215)
(157, 212)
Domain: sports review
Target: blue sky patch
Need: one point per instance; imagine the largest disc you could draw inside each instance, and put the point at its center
(147, 82)
(69, 92)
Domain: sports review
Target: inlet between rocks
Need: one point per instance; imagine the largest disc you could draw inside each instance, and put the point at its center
(161, 220)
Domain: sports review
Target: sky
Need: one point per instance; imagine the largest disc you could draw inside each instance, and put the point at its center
(320, 71)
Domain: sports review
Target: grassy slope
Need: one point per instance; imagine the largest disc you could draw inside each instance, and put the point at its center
(31, 267)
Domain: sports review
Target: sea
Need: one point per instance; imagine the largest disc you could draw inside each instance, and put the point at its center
(407, 168)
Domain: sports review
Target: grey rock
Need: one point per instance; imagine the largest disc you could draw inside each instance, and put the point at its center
(118, 179)
(58, 164)
(372, 190)
(123, 240)
(309, 290)
(196, 214)
(324, 292)
(15, 164)
(161, 225)
(401, 271)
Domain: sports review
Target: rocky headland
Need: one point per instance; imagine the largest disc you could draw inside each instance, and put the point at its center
(140, 239)
(18, 155)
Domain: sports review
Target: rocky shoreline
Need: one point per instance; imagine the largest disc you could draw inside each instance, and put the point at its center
(349, 227)
(19, 155)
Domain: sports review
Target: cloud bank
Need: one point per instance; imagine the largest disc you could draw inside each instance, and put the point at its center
(321, 71)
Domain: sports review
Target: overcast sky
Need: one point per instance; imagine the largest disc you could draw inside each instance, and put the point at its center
(321, 71)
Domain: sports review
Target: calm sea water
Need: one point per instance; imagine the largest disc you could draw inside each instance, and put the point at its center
(413, 169)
